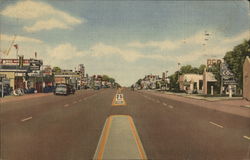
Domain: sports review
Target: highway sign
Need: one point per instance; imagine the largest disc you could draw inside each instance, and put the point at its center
(118, 100)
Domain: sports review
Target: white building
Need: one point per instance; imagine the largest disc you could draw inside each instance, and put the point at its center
(191, 83)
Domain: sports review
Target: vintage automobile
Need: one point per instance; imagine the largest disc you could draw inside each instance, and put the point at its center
(62, 89)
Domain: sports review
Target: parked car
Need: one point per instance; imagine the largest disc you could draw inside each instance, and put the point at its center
(62, 89)
(72, 89)
(96, 87)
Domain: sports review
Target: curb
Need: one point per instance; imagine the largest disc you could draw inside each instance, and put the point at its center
(199, 98)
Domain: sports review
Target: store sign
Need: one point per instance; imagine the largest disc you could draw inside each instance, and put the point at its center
(227, 75)
(35, 64)
(20, 74)
(26, 62)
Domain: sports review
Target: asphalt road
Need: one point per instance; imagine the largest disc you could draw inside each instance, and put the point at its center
(69, 127)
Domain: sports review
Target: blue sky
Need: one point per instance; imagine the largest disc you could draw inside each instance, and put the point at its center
(125, 39)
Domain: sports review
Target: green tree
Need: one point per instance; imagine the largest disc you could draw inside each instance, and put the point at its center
(186, 69)
(105, 78)
(201, 68)
(235, 60)
(56, 69)
(174, 85)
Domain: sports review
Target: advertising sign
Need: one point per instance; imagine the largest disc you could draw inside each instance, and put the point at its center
(227, 75)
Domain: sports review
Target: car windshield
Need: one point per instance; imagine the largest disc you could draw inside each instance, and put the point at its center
(61, 86)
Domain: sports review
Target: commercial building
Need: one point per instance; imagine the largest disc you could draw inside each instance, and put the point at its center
(16, 70)
(191, 83)
(208, 82)
(67, 76)
(246, 79)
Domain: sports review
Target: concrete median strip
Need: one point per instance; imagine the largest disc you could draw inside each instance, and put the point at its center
(26, 119)
(119, 140)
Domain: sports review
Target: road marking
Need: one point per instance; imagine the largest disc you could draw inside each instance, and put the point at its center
(164, 104)
(137, 139)
(66, 105)
(104, 138)
(170, 106)
(246, 137)
(26, 119)
(216, 124)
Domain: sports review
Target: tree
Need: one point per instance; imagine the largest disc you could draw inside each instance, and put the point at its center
(56, 69)
(186, 69)
(174, 85)
(105, 78)
(201, 68)
(235, 60)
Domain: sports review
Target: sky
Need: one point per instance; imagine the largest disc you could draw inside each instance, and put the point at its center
(123, 39)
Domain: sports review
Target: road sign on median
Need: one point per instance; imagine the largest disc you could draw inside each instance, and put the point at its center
(118, 100)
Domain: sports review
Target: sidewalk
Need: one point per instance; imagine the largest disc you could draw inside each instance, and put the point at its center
(24, 97)
(236, 105)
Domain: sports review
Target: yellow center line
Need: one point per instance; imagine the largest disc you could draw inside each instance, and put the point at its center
(104, 138)
(137, 139)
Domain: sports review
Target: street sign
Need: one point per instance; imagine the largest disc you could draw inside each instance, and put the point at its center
(118, 100)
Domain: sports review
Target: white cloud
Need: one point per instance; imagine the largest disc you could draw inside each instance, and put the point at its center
(5, 37)
(42, 14)
(162, 45)
(101, 49)
(65, 52)
(197, 38)
(238, 38)
(201, 54)
(46, 25)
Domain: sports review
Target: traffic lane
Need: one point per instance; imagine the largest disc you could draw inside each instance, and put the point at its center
(230, 121)
(15, 105)
(13, 112)
(70, 133)
(170, 134)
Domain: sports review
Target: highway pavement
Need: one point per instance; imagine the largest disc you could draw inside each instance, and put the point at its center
(87, 126)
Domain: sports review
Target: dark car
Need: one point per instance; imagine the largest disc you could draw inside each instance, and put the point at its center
(62, 89)
(72, 89)
(96, 87)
